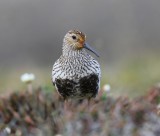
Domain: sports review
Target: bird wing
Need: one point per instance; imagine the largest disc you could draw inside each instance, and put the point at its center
(56, 71)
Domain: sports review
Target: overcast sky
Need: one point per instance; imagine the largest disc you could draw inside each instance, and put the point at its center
(32, 31)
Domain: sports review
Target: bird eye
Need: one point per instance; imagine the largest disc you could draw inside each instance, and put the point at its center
(74, 37)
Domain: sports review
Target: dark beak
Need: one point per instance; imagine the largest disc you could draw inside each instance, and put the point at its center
(88, 47)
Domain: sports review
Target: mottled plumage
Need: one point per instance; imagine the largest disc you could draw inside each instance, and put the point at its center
(76, 74)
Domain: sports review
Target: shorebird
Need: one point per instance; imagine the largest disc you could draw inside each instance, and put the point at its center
(76, 74)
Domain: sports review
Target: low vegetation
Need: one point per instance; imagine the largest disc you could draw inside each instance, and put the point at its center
(41, 113)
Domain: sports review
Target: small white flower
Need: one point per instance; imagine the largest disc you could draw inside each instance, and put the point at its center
(158, 109)
(106, 88)
(27, 77)
(158, 106)
(7, 130)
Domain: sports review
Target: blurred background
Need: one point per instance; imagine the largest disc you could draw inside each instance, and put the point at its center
(126, 33)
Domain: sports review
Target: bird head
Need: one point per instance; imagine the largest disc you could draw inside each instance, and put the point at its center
(77, 40)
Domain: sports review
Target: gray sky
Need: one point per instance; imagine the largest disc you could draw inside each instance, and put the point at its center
(31, 31)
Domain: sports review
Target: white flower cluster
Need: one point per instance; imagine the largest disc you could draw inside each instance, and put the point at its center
(27, 77)
(106, 88)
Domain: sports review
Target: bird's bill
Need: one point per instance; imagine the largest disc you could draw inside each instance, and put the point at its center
(88, 47)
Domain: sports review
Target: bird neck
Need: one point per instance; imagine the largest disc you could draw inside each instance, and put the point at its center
(70, 51)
